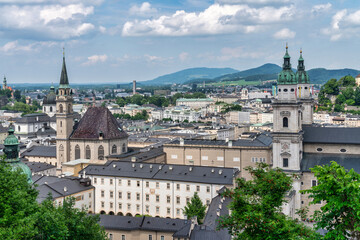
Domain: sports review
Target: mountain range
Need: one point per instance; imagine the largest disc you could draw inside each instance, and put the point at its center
(265, 72)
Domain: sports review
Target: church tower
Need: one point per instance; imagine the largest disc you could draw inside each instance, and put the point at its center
(304, 92)
(287, 135)
(4, 84)
(64, 117)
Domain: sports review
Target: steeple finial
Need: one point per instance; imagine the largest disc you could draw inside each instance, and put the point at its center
(63, 52)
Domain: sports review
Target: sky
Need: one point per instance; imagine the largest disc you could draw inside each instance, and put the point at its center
(119, 41)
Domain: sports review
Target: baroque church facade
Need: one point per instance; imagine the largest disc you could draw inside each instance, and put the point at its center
(95, 136)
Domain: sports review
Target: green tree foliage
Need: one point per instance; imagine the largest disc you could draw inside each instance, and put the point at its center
(347, 81)
(331, 87)
(17, 95)
(256, 207)
(139, 116)
(195, 208)
(22, 107)
(339, 189)
(231, 107)
(5, 92)
(21, 217)
(338, 108)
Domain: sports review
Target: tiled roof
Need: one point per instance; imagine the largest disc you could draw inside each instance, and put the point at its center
(40, 151)
(348, 161)
(38, 166)
(96, 120)
(170, 172)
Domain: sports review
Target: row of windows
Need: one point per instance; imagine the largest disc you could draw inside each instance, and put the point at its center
(123, 237)
(292, 89)
(343, 150)
(255, 159)
(100, 151)
(147, 184)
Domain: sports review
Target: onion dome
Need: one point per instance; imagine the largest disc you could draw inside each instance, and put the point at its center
(286, 76)
(11, 150)
(301, 74)
(51, 97)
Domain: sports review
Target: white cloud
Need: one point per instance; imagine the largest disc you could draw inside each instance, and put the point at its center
(238, 52)
(144, 9)
(344, 24)
(216, 19)
(46, 21)
(183, 56)
(284, 33)
(95, 59)
(321, 8)
(14, 47)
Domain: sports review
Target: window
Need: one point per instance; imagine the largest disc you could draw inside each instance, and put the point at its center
(168, 210)
(279, 89)
(285, 122)
(168, 199)
(150, 237)
(51, 109)
(178, 211)
(198, 188)
(110, 236)
(102, 193)
(129, 195)
(343, 150)
(123, 148)
(147, 197)
(177, 186)
(162, 238)
(95, 180)
(138, 183)
(87, 152)
(102, 181)
(319, 149)
(220, 158)
(101, 152)
(123, 237)
(69, 108)
(204, 158)
(114, 149)
(285, 90)
(157, 209)
(138, 207)
(313, 183)
(111, 194)
(177, 200)
(157, 198)
(187, 199)
(174, 156)
(285, 162)
(292, 90)
(111, 204)
(120, 205)
(147, 184)
(111, 182)
(89, 195)
(119, 181)
(138, 196)
(120, 195)
(168, 186)
(102, 204)
(61, 108)
(128, 206)
(129, 183)
(236, 159)
(208, 189)
(147, 208)
(77, 152)
(157, 185)
(189, 157)
(187, 187)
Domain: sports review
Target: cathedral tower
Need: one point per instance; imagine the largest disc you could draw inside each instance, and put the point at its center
(304, 92)
(287, 135)
(64, 117)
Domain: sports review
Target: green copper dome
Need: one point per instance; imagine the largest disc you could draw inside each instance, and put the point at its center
(301, 74)
(11, 150)
(286, 76)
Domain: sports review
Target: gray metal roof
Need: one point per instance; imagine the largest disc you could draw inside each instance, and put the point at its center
(142, 223)
(40, 151)
(348, 161)
(33, 118)
(140, 156)
(332, 135)
(38, 166)
(263, 140)
(199, 174)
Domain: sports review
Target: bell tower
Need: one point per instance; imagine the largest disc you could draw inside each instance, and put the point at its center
(304, 92)
(287, 135)
(64, 117)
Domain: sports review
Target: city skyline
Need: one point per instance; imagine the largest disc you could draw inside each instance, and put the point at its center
(119, 41)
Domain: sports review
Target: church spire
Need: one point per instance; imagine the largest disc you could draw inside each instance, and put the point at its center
(287, 64)
(286, 76)
(64, 80)
(301, 74)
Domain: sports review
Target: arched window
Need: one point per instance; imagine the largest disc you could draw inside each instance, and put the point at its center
(50, 109)
(114, 149)
(285, 122)
(101, 152)
(87, 152)
(77, 152)
(61, 108)
(69, 108)
(123, 148)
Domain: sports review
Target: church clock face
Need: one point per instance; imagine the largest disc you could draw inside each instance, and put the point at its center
(285, 147)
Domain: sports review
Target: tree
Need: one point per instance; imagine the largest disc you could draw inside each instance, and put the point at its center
(17, 95)
(340, 99)
(195, 208)
(331, 87)
(347, 81)
(339, 190)
(338, 108)
(256, 207)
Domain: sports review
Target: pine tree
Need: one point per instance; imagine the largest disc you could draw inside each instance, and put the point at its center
(195, 208)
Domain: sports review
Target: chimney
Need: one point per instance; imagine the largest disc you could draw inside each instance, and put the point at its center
(226, 139)
(230, 144)
(220, 205)
(220, 172)
(218, 212)
(141, 166)
(133, 165)
(181, 142)
(170, 167)
(65, 189)
(190, 169)
(114, 165)
(133, 159)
